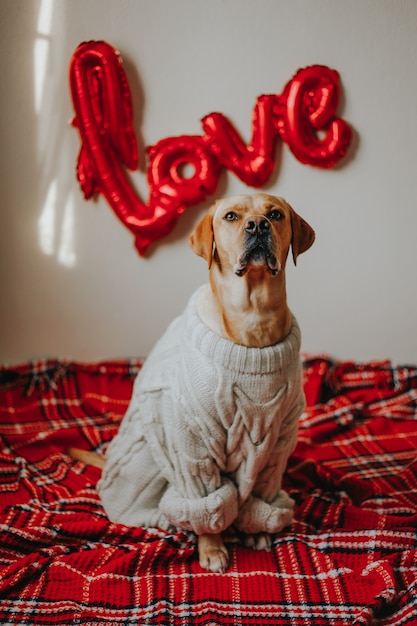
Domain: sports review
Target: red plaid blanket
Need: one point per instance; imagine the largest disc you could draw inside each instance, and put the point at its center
(349, 556)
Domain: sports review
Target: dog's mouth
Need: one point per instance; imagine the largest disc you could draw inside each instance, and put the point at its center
(257, 255)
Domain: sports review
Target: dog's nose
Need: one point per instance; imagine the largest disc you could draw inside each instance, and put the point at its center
(256, 225)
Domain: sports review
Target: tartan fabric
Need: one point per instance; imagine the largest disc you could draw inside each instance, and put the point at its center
(348, 558)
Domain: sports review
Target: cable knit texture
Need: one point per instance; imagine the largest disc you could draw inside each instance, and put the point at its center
(207, 434)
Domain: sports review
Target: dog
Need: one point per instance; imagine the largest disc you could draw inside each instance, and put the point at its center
(214, 412)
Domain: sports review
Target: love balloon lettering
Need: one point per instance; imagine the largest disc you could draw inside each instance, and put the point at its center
(303, 116)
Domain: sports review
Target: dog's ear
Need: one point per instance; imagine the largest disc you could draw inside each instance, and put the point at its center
(302, 235)
(202, 238)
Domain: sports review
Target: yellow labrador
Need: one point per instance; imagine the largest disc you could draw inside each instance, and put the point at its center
(246, 240)
(221, 464)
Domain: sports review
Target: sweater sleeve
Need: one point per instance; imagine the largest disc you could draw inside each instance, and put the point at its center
(199, 497)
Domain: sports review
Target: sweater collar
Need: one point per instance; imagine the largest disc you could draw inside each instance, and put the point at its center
(235, 357)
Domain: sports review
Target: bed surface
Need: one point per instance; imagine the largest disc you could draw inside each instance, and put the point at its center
(349, 557)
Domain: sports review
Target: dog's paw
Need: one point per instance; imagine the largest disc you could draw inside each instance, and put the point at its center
(258, 541)
(213, 554)
(215, 560)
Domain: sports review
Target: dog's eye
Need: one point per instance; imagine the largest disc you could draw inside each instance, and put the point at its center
(275, 214)
(231, 216)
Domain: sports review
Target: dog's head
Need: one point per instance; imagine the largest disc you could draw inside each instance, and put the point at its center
(253, 232)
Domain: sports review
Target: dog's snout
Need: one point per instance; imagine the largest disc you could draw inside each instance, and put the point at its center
(257, 225)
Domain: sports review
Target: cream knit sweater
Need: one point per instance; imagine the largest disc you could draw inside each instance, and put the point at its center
(207, 434)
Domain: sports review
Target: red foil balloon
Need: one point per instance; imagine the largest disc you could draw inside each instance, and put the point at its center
(103, 116)
(251, 163)
(103, 109)
(167, 169)
(308, 104)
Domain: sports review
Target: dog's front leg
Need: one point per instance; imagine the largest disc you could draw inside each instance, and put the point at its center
(212, 552)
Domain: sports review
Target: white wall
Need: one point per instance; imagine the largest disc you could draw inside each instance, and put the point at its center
(72, 283)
